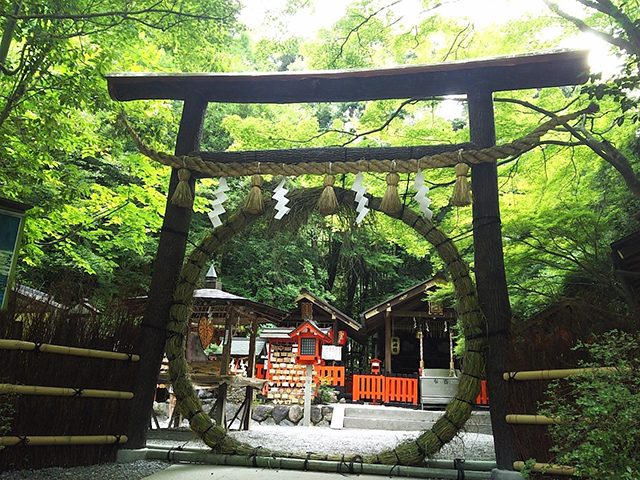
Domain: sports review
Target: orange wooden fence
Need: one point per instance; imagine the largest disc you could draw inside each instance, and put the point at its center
(401, 390)
(260, 371)
(385, 389)
(333, 375)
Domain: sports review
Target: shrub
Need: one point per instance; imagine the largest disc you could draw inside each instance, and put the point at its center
(601, 437)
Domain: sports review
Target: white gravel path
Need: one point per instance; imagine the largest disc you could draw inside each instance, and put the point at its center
(470, 446)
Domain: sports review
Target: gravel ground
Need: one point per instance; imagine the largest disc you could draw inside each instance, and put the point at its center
(470, 446)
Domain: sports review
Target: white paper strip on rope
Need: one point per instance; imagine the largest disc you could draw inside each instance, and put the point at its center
(216, 203)
(421, 195)
(279, 194)
(361, 200)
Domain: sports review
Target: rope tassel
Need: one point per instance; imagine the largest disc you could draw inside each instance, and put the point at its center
(391, 201)
(254, 204)
(328, 203)
(183, 197)
(461, 190)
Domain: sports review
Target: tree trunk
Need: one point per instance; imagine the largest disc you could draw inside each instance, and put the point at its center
(167, 266)
(489, 269)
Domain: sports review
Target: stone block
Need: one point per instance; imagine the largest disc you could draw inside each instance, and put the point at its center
(279, 413)
(316, 414)
(327, 412)
(261, 412)
(295, 413)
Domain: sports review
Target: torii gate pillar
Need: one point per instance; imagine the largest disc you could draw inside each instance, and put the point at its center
(166, 270)
(491, 280)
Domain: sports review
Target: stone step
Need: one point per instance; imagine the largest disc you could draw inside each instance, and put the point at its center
(402, 419)
(391, 413)
(386, 424)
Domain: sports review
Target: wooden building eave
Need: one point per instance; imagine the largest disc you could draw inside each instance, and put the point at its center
(329, 313)
(515, 72)
(400, 305)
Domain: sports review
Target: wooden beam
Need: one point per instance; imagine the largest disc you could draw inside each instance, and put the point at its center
(331, 154)
(550, 69)
(387, 342)
(418, 314)
(220, 408)
(251, 371)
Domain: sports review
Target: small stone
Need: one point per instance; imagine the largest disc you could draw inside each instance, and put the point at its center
(279, 413)
(316, 414)
(269, 422)
(286, 423)
(295, 413)
(327, 412)
(261, 412)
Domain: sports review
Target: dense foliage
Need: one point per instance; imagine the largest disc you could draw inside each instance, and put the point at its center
(599, 434)
(98, 204)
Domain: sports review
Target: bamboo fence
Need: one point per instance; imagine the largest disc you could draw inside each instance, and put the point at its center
(64, 350)
(9, 389)
(32, 441)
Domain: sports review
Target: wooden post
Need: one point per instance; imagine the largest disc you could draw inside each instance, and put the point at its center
(387, 342)
(220, 409)
(167, 265)
(251, 372)
(308, 384)
(489, 269)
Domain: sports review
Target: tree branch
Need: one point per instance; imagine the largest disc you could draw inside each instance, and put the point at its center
(621, 43)
(632, 46)
(603, 149)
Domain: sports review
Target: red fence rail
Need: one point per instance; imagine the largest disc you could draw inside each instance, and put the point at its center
(385, 389)
(401, 389)
(368, 387)
(333, 375)
(483, 397)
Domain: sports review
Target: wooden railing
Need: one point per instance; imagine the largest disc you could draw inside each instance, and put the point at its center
(368, 387)
(401, 390)
(380, 388)
(334, 376)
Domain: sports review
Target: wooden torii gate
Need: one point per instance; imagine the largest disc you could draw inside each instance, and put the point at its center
(477, 80)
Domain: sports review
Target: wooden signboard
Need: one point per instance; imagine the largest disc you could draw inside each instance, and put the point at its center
(11, 225)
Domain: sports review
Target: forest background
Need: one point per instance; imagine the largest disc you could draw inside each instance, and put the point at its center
(98, 203)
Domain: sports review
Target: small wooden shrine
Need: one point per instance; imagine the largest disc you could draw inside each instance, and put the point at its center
(286, 374)
(397, 324)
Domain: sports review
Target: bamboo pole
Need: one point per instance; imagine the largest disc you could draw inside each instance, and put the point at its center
(344, 467)
(547, 468)
(7, 388)
(522, 419)
(64, 350)
(554, 374)
(10, 441)
(478, 465)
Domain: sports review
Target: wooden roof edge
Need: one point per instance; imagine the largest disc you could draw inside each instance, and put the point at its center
(418, 289)
(513, 72)
(305, 294)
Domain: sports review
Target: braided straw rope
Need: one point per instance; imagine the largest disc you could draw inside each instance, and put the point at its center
(407, 453)
(446, 159)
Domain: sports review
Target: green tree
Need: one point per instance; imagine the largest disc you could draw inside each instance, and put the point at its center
(97, 202)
